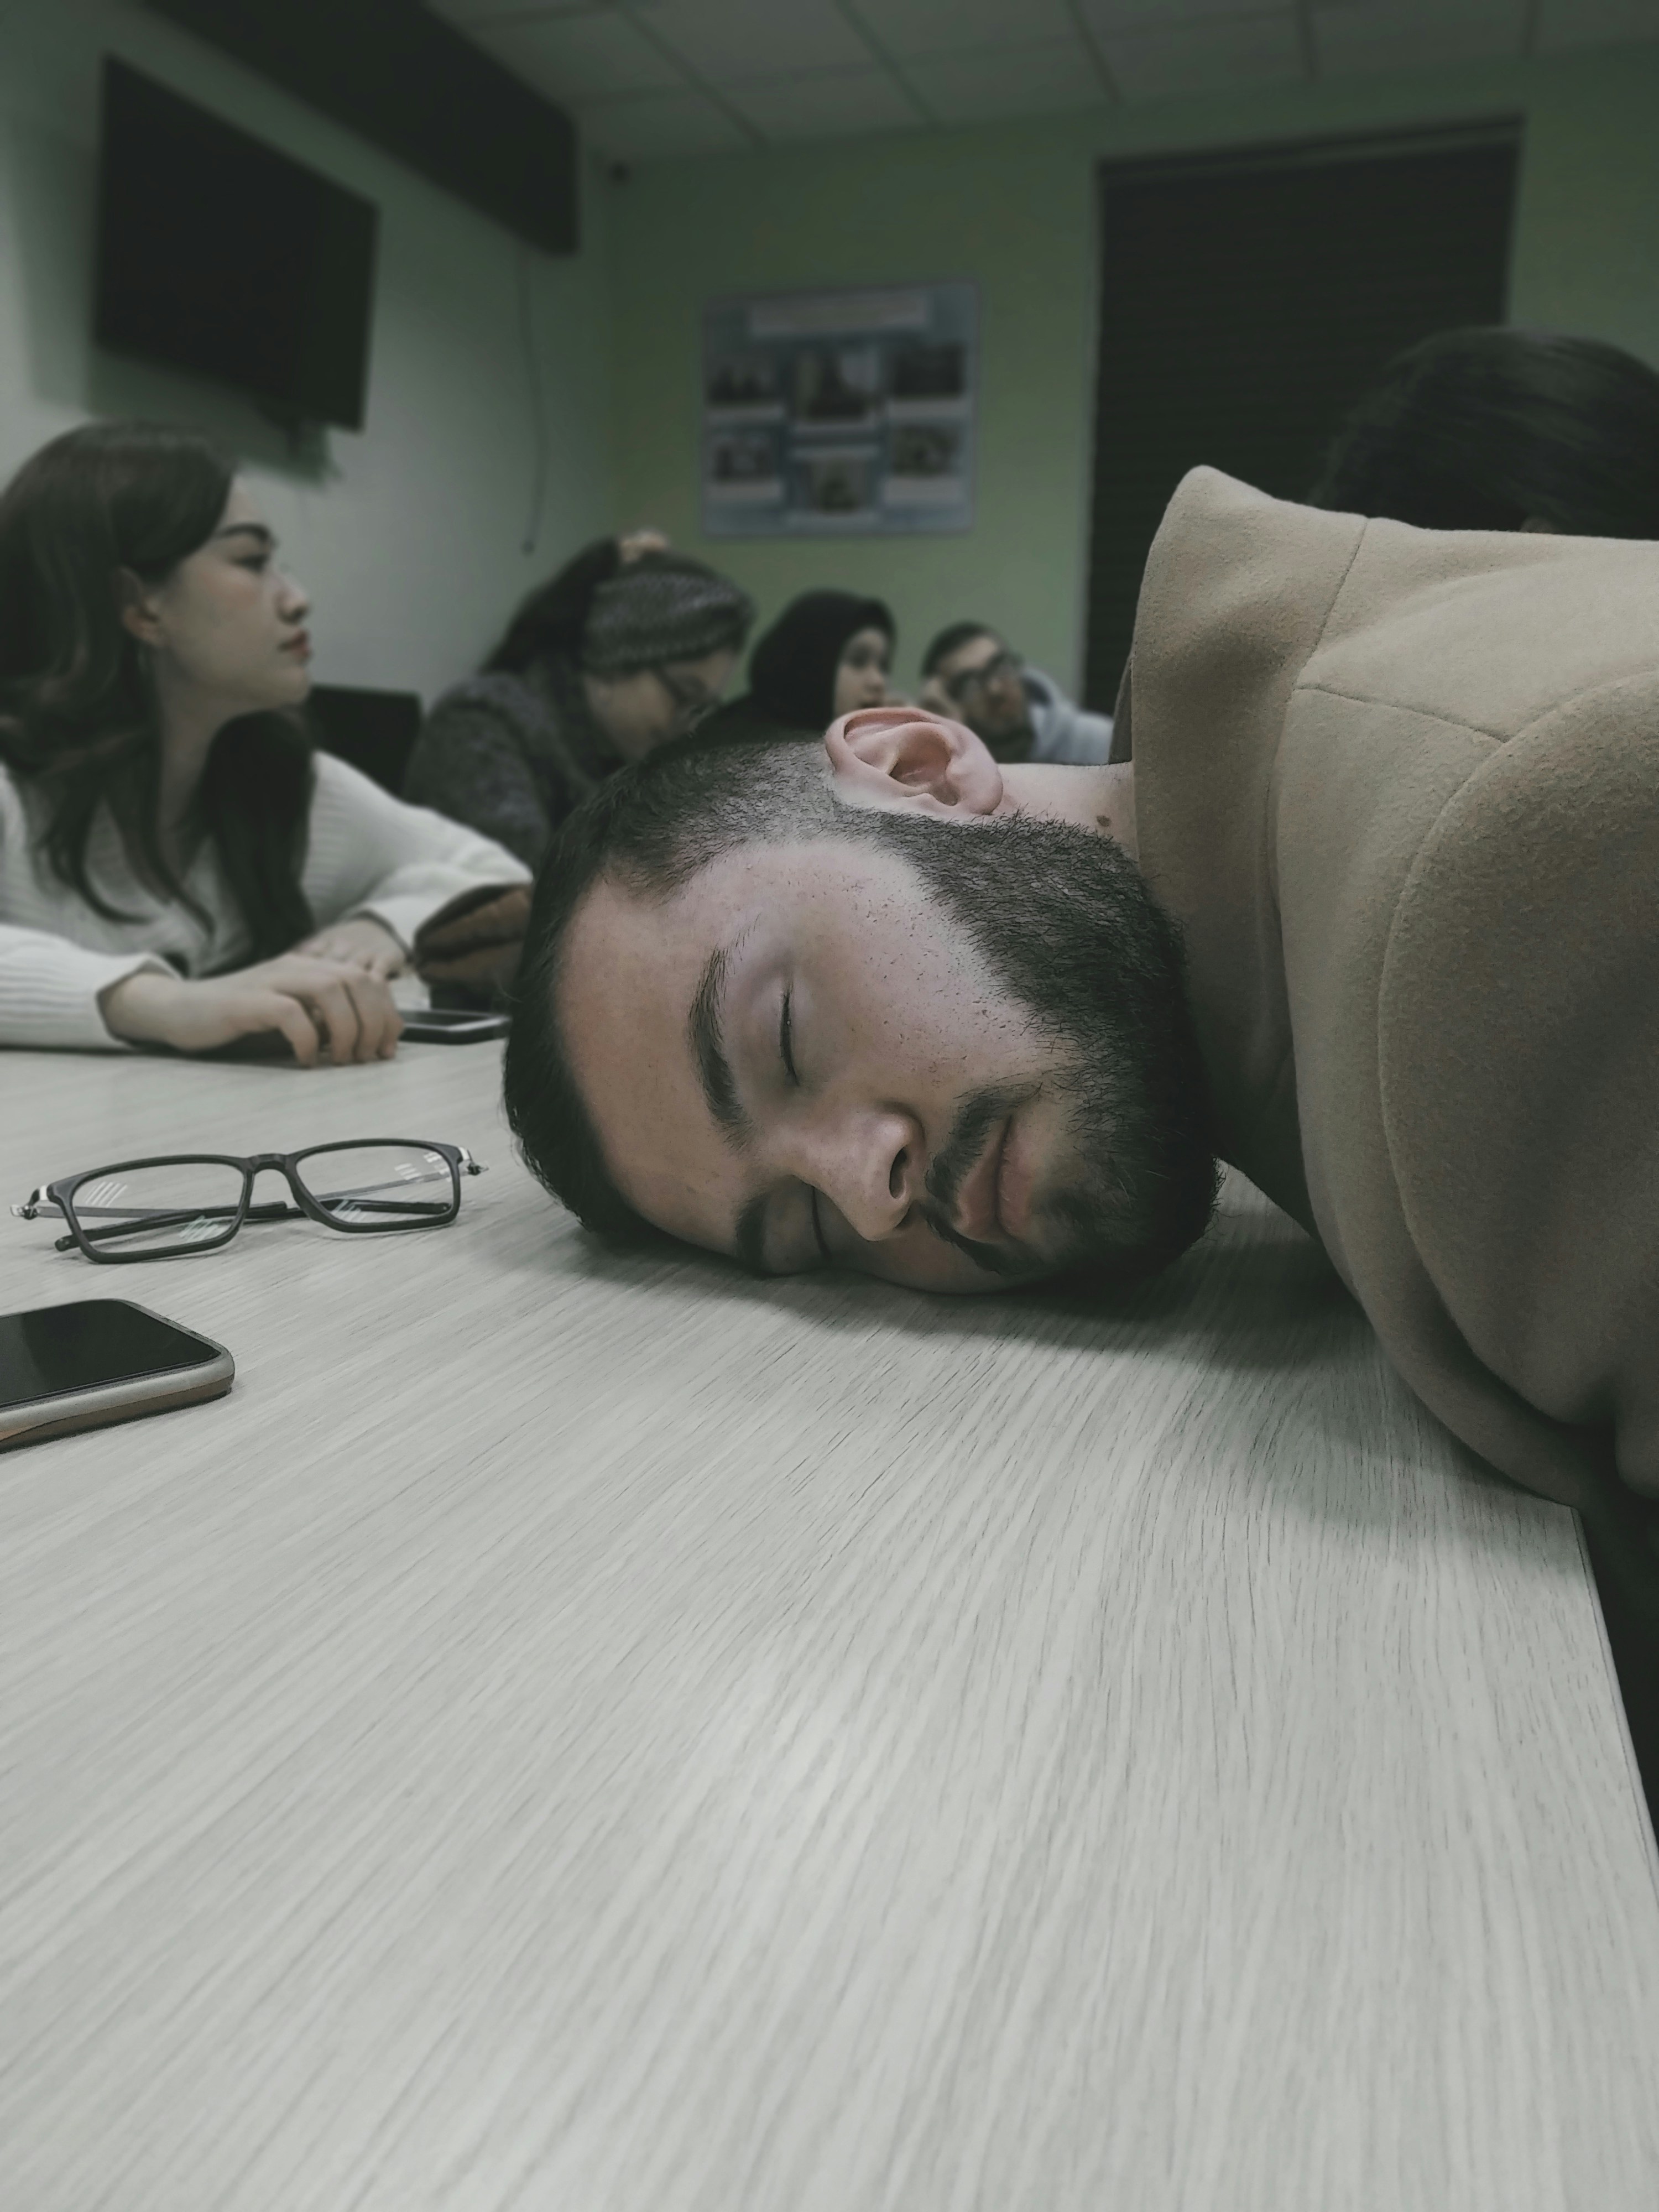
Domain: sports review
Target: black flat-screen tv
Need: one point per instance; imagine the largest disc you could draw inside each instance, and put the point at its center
(219, 255)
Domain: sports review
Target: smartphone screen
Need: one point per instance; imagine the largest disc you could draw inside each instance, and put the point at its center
(87, 1344)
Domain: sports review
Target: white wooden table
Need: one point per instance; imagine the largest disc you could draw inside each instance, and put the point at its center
(583, 1734)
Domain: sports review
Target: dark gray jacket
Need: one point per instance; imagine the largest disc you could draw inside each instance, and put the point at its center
(511, 755)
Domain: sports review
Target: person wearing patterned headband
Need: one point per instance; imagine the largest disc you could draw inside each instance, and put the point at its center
(629, 645)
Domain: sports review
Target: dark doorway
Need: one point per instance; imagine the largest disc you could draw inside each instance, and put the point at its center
(1248, 298)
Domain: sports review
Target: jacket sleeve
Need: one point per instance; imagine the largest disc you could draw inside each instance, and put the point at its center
(370, 854)
(1519, 1053)
(469, 763)
(49, 990)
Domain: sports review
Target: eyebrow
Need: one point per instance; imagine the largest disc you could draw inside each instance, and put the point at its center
(703, 1025)
(266, 537)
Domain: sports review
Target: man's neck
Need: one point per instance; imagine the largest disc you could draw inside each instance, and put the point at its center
(1098, 799)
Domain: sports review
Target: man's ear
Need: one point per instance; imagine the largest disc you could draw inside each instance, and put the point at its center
(138, 617)
(907, 759)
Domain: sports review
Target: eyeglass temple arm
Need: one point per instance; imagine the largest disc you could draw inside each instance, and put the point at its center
(274, 1210)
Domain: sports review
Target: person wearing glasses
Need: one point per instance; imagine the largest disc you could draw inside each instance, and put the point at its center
(180, 866)
(629, 646)
(969, 674)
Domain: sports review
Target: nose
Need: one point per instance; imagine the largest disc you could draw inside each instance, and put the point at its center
(869, 1164)
(295, 601)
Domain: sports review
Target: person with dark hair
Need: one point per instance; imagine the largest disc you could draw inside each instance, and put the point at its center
(967, 672)
(1371, 915)
(178, 865)
(629, 646)
(828, 653)
(1503, 430)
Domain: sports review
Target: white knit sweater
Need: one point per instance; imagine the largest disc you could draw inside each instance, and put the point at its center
(367, 853)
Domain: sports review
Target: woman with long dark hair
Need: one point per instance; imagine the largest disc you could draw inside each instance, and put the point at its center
(1503, 430)
(626, 648)
(178, 864)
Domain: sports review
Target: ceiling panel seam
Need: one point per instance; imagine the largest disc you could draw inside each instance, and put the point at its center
(1095, 51)
(855, 22)
(694, 80)
(1306, 41)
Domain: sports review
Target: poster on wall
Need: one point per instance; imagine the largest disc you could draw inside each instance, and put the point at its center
(840, 413)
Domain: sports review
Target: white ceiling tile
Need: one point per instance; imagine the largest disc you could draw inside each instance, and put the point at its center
(1219, 56)
(730, 41)
(841, 105)
(659, 124)
(1006, 80)
(579, 57)
(953, 27)
(1596, 22)
(1353, 36)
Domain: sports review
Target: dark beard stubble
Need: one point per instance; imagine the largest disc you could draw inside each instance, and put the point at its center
(1065, 922)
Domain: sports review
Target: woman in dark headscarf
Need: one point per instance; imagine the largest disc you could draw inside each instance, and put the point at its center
(628, 647)
(828, 654)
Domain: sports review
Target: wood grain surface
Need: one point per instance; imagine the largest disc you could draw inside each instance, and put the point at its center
(585, 1733)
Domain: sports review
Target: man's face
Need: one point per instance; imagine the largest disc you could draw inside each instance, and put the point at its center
(891, 1052)
(980, 684)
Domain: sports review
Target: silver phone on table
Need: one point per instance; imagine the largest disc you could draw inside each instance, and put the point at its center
(92, 1361)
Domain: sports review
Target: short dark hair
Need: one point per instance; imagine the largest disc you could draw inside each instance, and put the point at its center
(652, 825)
(1482, 429)
(951, 639)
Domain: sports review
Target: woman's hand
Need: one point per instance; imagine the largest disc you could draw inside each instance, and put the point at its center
(363, 942)
(317, 1004)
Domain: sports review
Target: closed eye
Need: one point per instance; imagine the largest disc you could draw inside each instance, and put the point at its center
(787, 1039)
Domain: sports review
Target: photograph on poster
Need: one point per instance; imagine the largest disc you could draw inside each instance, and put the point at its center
(839, 411)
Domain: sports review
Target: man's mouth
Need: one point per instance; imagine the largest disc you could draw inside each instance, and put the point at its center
(978, 1212)
(299, 646)
(1016, 1181)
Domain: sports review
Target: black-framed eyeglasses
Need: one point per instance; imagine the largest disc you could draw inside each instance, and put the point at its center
(175, 1205)
(692, 704)
(971, 681)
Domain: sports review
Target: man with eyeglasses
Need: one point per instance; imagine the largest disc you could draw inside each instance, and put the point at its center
(971, 675)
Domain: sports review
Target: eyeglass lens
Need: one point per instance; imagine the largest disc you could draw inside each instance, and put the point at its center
(179, 1205)
(379, 1186)
(977, 680)
(691, 703)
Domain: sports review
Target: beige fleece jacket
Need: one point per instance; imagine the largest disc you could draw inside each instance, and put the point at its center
(1401, 788)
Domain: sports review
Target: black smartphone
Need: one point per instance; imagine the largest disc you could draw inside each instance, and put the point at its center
(452, 1025)
(98, 1360)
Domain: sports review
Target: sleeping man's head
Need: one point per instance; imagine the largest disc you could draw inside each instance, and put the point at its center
(881, 1006)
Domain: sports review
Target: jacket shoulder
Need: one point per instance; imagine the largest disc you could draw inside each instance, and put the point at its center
(1518, 1063)
(496, 696)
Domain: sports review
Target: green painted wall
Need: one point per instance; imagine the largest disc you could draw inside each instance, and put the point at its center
(1012, 206)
